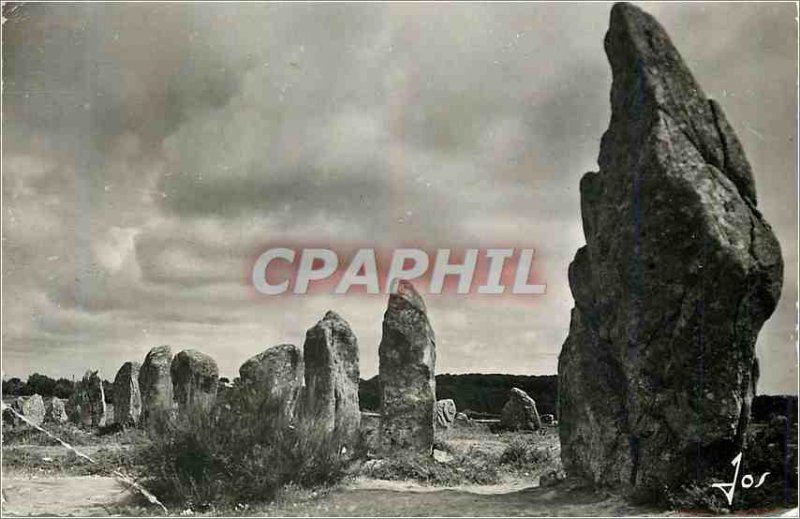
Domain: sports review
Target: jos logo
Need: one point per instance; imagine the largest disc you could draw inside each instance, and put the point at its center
(747, 480)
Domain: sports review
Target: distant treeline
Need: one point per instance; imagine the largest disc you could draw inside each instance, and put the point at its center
(46, 387)
(480, 393)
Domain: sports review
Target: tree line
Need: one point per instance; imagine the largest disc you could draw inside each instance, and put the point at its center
(482, 394)
(47, 387)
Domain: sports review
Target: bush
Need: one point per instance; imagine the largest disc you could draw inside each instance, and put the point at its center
(243, 450)
(522, 454)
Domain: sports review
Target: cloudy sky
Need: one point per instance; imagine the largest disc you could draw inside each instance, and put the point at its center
(150, 151)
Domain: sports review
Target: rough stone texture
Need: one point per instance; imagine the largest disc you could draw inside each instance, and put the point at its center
(277, 372)
(79, 410)
(407, 360)
(462, 419)
(195, 378)
(55, 410)
(678, 274)
(127, 397)
(97, 399)
(155, 383)
(330, 352)
(519, 413)
(87, 405)
(31, 407)
(445, 413)
(370, 423)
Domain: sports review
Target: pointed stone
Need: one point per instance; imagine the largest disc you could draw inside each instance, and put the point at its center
(127, 397)
(155, 383)
(87, 405)
(330, 353)
(407, 356)
(679, 272)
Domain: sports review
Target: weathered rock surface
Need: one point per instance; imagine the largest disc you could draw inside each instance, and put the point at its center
(445, 413)
(520, 413)
(127, 397)
(277, 373)
(407, 357)
(330, 353)
(87, 405)
(155, 383)
(55, 410)
(97, 399)
(31, 407)
(462, 420)
(678, 274)
(195, 378)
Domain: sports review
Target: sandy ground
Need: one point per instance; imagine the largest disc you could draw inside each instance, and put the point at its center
(102, 496)
(73, 495)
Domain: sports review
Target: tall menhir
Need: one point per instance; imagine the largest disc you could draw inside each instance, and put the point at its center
(678, 274)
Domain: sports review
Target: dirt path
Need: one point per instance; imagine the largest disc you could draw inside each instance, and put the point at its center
(384, 498)
(94, 496)
(74, 495)
(101, 496)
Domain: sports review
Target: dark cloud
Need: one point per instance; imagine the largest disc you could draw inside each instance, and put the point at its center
(150, 150)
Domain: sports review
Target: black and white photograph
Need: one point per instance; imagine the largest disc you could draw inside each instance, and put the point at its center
(399, 259)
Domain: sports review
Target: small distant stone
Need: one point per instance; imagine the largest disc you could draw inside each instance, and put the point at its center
(31, 407)
(445, 413)
(55, 410)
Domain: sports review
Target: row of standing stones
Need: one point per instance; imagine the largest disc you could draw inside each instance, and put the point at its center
(319, 381)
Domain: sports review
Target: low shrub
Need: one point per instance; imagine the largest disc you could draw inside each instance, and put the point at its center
(524, 455)
(243, 450)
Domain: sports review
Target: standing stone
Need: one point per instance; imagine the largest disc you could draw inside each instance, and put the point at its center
(519, 413)
(277, 373)
(155, 383)
(55, 411)
(194, 379)
(445, 413)
(407, 356)
(110, 414)
(679, 272)
(127, 397)
(462, 419)
(330, 352)
(31, 407)
(79, 409)
(87, 405)
(97, 399)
